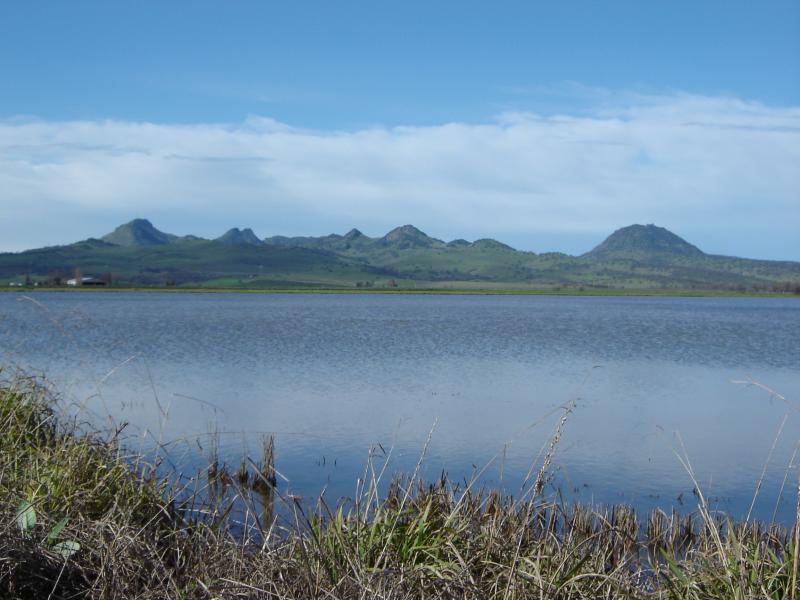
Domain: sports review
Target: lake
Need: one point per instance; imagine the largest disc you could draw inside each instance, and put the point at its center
(485, 377)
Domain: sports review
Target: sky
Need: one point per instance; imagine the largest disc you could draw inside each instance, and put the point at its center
(546, 125)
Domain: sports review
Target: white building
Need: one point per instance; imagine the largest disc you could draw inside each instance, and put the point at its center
(85, 281)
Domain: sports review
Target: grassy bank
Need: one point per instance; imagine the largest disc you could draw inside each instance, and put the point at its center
(80, 518)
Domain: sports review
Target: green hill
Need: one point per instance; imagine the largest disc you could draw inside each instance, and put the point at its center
(642, 241)
(187, 262)
(408, 237)
(139, 232)
(634, 257)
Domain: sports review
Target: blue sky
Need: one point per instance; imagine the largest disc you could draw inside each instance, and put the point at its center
(307, 118)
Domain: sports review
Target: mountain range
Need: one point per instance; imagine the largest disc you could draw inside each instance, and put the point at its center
(634, 257)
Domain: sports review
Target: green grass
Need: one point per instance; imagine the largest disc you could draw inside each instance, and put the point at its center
(138, 536)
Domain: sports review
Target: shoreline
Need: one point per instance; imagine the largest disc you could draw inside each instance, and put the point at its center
(413, 292)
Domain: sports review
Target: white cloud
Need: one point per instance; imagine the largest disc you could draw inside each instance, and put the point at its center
(718, 169)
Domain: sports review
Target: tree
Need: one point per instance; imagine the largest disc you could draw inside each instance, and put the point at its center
(55, 278)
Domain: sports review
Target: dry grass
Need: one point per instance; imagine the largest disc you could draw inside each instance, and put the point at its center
(141, 537)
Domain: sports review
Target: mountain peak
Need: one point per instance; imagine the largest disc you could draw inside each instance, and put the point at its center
(353, 234)
(408, 236)
(239, 237)
(138, 232)
(490, 244)
(645, 239)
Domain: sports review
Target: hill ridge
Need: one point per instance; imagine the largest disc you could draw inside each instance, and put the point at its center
(635, 257)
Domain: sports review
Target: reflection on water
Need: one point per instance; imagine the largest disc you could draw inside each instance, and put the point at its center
(331, 376)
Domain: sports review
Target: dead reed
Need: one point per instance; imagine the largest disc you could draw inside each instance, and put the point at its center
(133, 535)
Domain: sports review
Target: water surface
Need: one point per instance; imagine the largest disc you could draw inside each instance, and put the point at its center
(334, 375)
